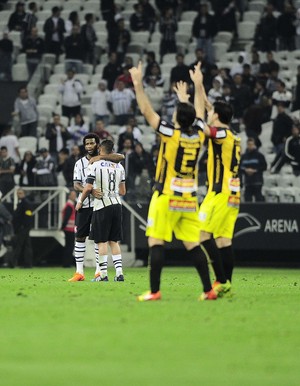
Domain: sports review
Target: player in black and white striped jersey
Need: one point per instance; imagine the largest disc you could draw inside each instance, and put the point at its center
(109, 178)
(84, 217)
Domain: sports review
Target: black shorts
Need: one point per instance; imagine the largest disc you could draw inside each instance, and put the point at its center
(83, 222)
(107, 224)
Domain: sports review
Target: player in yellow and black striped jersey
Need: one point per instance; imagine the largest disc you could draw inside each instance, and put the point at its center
(174, 207)
(177, 162)
(219, 210)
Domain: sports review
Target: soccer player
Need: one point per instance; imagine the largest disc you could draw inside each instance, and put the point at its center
(84, 215)
(219, 210)
(174, 207)
(108, 178)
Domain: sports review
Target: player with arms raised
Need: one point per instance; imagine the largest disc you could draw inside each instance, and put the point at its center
(174, 207)
(219, 210)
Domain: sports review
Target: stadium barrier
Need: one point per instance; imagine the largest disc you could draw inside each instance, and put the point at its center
(264, 232)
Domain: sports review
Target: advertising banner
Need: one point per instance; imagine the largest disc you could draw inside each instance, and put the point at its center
(259, 227)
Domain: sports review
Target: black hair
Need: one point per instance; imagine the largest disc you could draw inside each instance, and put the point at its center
(73, 16)
(55, 10)
(185, 115)
(282, 84)
(3, 148)
(224, 111)
(31, 6)
(64, 150)
(88, 17)
(90, 136)
(151, 54)
(108, 145)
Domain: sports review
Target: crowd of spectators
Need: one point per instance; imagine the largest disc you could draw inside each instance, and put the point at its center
(253, 84)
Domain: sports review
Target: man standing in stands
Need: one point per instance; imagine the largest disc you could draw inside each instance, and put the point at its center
(123, 103)
(74, 49)
(25, 108)
(54, 29)
(204, 29)
(71, 90)
(89, 39)
(34, 49)
(57, 134)
(253, 164)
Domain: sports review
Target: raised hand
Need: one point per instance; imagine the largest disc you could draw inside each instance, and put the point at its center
(137, 74)
(196, 74)
(181, 90)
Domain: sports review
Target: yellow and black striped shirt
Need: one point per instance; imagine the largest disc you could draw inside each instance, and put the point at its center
(224, 153)
(177, 163)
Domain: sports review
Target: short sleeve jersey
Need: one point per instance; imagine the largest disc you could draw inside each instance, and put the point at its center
(80, 175)
(177, 163)
(224, 154)
(106, 176)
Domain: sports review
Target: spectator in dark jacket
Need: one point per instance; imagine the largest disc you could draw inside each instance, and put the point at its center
(68, 166)
(119, 38)
(292, 150)
(34, 47)
(253, 164)
(57, 135)
(242, 96)
(16, 19)
(180, 71)
(266, 31)
(26, 166)
(89, 39)
(204, 29)
(54, 29)
(282, 128)
(5, 225)
(168, 28)
(138, 20)
(112, 70)
(138, 161)
(74, 49)
(22, 223)
(30, 19)
(286, 28)
(6, 50)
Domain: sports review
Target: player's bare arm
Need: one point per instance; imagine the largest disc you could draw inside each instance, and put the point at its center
(96, 193)
(78, 187)
(200, 98)
(122, 189)
(113, 157)
(86, 191)
(142, 99)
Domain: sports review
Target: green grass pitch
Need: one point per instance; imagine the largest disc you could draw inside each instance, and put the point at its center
(55, 333)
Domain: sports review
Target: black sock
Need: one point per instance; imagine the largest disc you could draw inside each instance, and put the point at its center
(157, 257)
(228, 261)
(215, 258)
(200, 262)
